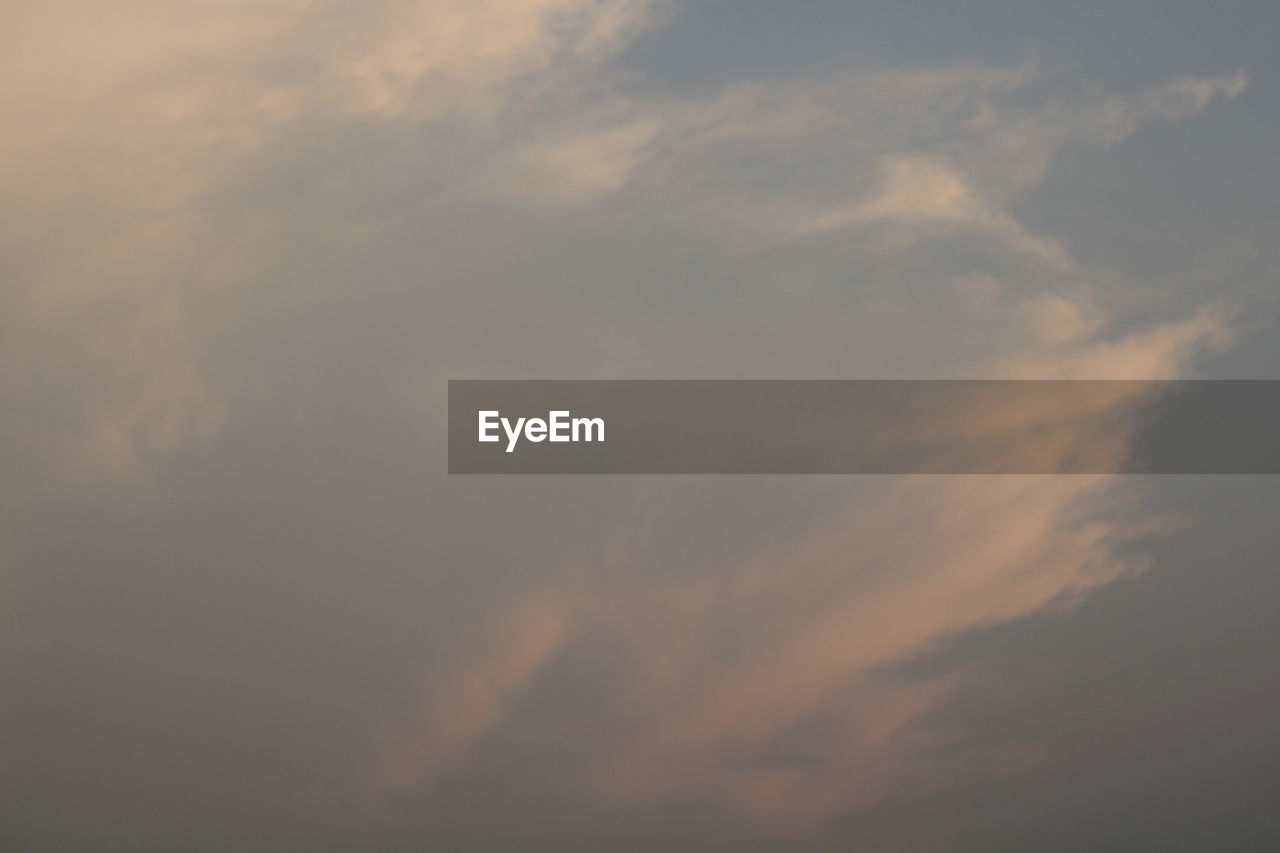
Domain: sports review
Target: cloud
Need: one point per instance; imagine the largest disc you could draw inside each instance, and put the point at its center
(459, 708)
(572, 166)
(922, 193)
(758, 679)
(246, 236)
(130, 121)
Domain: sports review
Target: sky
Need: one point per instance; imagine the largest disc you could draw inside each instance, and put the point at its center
(244, 245)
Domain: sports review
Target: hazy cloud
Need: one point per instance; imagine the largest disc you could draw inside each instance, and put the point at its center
(244, 244)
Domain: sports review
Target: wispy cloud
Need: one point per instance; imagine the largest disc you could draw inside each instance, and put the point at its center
(239, 241)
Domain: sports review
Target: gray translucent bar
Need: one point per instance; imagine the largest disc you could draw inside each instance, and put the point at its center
(865, 427)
